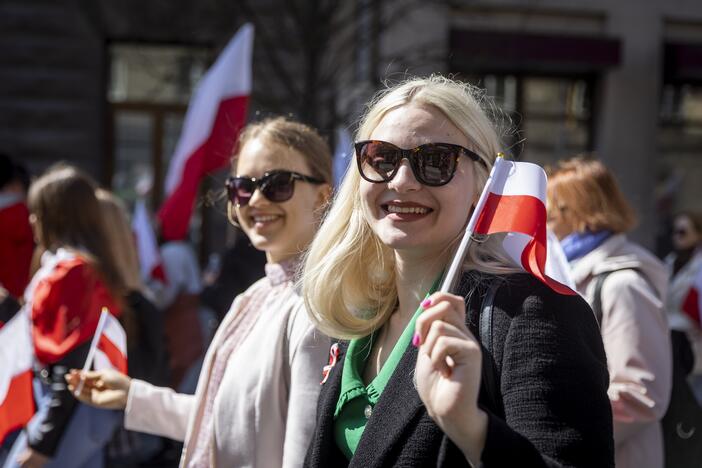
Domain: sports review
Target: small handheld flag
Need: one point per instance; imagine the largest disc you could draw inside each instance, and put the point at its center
(513, 202)
(108, 350)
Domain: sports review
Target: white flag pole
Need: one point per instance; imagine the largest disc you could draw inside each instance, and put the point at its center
(93, 347)
(457, 263)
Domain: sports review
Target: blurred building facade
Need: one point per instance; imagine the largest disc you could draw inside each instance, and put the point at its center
(105, 84)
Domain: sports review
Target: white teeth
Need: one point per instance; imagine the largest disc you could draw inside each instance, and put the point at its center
(263, 219)
(407, 209)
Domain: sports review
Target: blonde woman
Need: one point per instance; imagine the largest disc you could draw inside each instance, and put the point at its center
(256, 396)
(423, 152)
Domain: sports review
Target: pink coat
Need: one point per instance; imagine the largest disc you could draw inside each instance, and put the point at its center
(637, 343)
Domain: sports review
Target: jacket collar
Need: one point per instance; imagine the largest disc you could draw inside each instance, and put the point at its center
(594, 262)
(399, 403)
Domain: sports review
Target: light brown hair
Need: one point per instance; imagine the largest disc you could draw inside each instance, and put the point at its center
(287, 133)
(587, 196)
(296, 136)
(68, 215)
(120, 239)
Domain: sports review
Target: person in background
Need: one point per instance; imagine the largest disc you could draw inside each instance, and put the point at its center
(626, 286)
(684, 264)
(78, 277)
(147, 352)
(424, 150)
(179, 299)
(256, 396)
(16, 241)
(146, 348)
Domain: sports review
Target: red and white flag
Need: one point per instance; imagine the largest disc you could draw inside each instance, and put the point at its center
(692, 305)
(147, 247)
(108, 349)
(215, 116)
(16, 358)
(514, 202)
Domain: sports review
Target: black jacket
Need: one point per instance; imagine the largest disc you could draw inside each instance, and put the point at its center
(553, 407)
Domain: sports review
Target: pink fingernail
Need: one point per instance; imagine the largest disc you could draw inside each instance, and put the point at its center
(415, 340)
(426, 303)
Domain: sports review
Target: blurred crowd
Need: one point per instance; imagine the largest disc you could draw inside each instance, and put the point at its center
(186, 329)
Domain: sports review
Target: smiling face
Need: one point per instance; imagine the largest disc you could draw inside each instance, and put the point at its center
(282, 230)
(403, 213)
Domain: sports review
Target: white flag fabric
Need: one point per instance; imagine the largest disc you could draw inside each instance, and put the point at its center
(514, 202)
(16, 360)
(108, 349)
(150, 262)
(216, 114)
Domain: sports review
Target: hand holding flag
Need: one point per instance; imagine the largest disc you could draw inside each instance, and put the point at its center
(108, 350)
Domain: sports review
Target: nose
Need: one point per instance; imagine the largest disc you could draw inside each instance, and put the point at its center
(257, 198)
(404, 181)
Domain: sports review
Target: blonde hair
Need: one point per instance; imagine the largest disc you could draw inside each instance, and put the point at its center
(121, 239)
(349, 274)
(588, 197)
(296, 136)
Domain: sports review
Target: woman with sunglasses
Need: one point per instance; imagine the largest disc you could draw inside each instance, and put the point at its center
(406, 388)
(255, 401)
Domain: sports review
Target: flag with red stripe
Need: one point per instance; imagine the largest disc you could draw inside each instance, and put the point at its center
(16, 358)
(108, 350)
(215, 116)
(111, 349)
(514, 202)
(692, 305)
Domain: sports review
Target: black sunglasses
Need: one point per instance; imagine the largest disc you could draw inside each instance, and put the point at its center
(277, 186)
(432, 164)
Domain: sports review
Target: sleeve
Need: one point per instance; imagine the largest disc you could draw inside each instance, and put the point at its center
(308, 351)
(637, 342)
(158, 410)
(46, 435)
(554, 389)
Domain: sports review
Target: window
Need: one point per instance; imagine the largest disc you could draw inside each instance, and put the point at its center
(148, 93)
(553, 115)
(680, 145)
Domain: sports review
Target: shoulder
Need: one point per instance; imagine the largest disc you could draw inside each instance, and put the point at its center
(70, 273)
(522, 293)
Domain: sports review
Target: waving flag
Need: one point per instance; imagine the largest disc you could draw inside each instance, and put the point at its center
(215, 116)
(108, 349)
(150, 262)
(16, 355)
(692, 305)
(514, 202)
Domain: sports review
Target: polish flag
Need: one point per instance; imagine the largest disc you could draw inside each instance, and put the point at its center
(16, 358)
(215, 116)
(692, 305)
(514, 202)
(150, 262)
(108, 349)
